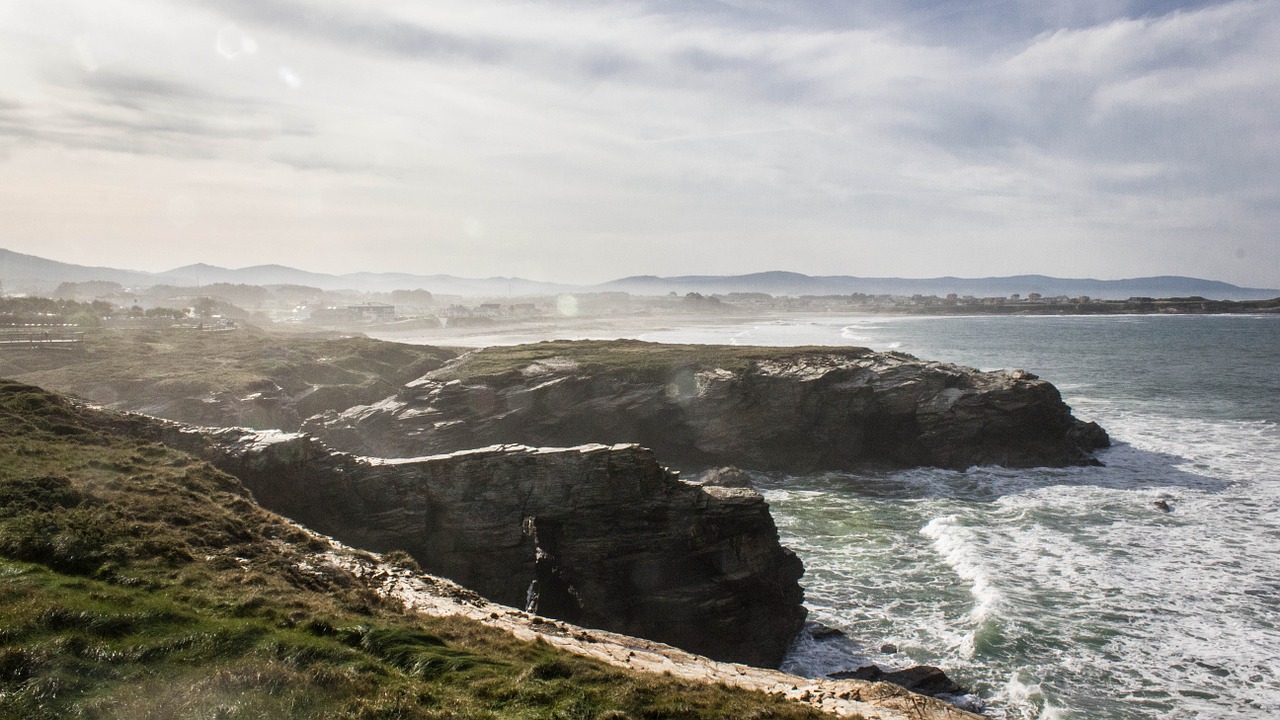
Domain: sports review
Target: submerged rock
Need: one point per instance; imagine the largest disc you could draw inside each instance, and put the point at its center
(601, 536)
(800, 410)
(922, 679)
(818, 631)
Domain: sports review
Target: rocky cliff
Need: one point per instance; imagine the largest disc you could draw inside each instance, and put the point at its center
(791, 409)
(140, 582)
(601, 536)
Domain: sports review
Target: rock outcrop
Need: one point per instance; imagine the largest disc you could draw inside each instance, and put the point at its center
(727, 477)
(797, 411)
(921, 679)
(602, 536)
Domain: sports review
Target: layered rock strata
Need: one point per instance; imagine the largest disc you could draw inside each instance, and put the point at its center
(602, 536)
(837, 409)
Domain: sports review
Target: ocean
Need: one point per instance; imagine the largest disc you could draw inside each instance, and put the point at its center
(1061, 593)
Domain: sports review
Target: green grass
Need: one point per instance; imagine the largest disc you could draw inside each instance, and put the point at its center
(630, 358)
(133, 369)
(138, 582)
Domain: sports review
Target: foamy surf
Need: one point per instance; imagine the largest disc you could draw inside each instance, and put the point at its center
(958, 547)
(1143, 589)
(1146, 589)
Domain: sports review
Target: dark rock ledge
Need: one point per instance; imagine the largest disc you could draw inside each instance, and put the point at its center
(601, 536)
(813, 410)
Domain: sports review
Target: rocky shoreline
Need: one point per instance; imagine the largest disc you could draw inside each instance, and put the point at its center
(134, 567)
(567, 510)
(840, 697)
(597, 536)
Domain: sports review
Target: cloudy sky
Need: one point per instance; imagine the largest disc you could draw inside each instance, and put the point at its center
(582, 141)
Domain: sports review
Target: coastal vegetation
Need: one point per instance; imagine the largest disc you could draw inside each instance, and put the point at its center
(172, 372)
(23, 312)
(137, 581)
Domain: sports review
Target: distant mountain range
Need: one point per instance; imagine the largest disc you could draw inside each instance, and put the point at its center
(31, 274)
(786, 283)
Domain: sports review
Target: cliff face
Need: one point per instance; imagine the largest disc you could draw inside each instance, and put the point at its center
(815, 410)
(601, 536)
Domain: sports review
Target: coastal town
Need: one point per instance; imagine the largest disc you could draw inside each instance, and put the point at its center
(107, 304)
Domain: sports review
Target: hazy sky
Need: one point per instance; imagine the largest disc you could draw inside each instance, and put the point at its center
(583, 141)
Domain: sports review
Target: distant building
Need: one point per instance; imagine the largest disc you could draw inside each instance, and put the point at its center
(372, 312)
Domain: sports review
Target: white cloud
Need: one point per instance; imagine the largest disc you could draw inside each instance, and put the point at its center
(687, 141)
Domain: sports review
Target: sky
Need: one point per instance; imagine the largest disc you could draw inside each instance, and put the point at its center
(579, 141)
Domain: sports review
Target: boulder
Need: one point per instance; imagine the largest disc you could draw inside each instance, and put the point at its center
(728, 477)
(922, 679)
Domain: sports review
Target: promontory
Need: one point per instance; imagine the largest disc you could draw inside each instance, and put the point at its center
(787, 409)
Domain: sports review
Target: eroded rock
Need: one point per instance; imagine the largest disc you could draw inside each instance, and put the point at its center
(602, 536)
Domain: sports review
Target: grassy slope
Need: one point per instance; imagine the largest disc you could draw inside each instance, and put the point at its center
(136, 368)
(641, 360)
(138, 582)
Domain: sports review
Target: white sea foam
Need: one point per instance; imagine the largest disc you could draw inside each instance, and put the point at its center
(861, 332)
(958, 546)
(1028, 700)
(1108, 606)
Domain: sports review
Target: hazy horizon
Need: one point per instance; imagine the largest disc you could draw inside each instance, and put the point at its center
(581, 143)
(359, 271)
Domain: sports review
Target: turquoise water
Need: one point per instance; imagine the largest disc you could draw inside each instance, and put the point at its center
(1064, 593)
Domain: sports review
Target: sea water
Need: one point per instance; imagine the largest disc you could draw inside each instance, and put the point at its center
(1062, 593)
